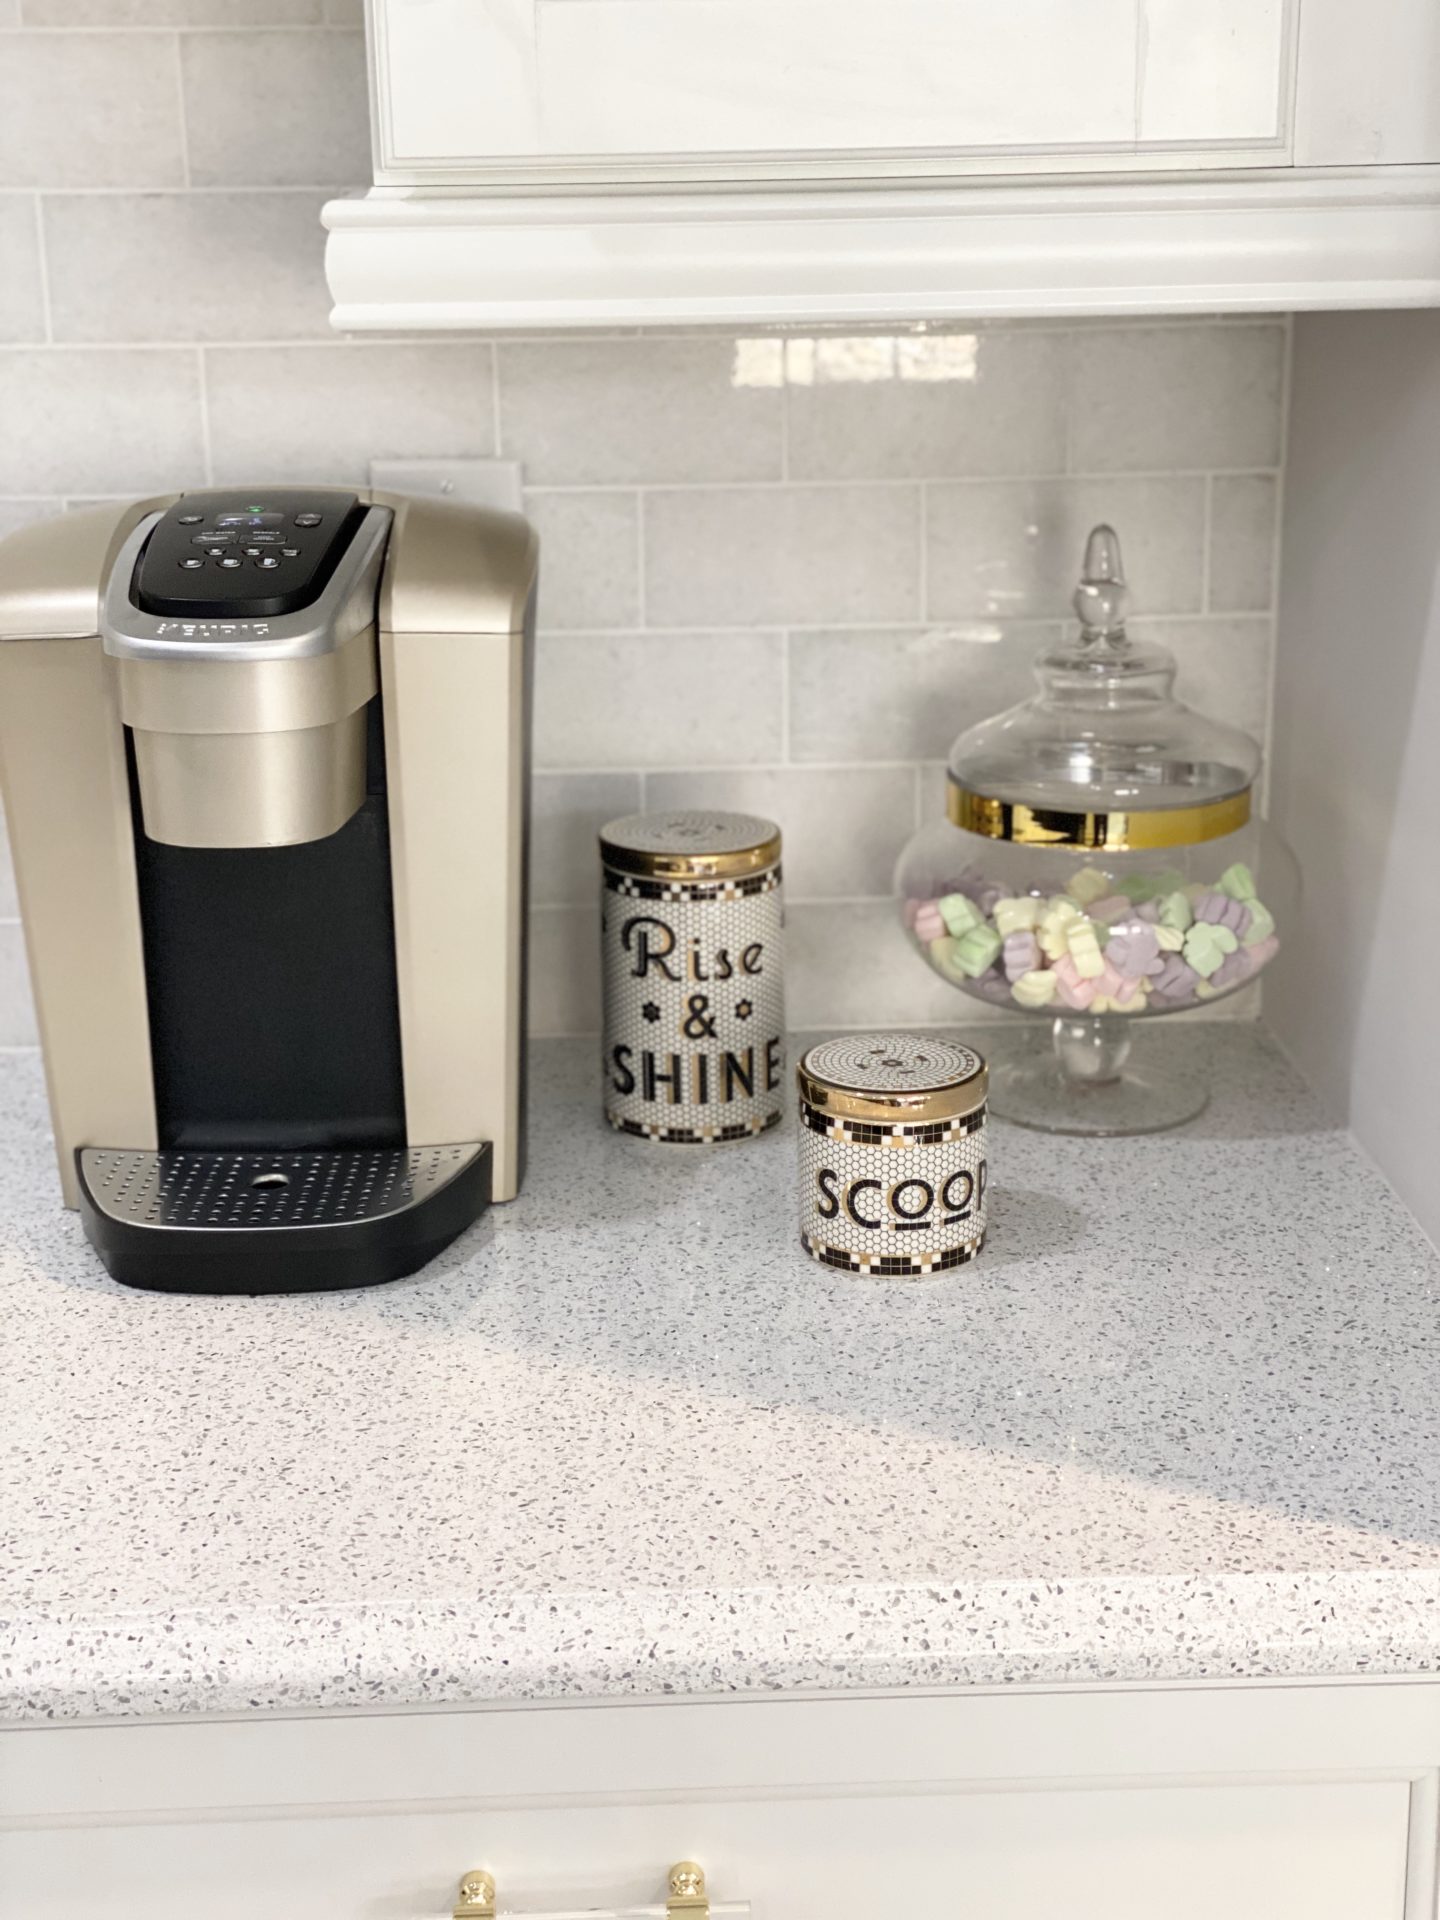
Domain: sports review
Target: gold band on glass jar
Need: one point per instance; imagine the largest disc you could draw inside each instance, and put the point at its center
(1116, 832)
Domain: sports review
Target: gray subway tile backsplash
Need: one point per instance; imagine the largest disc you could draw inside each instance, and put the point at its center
(90, 110)
(636, 412)
(239, 266)
(315, 127)
(749, 556)
(22, 295)
(324, 412)
(663, 700)
(112, 420)
(929, 407)
(780, 570)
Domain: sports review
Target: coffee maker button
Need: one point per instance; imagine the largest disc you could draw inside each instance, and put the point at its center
(307, 519)
(192, 560)
(253, 553)
(268, 560)
(215, 552)
(291, 553)
(231, 560)
(191, 519)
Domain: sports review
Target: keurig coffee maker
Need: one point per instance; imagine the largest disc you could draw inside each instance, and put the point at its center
(264, 757)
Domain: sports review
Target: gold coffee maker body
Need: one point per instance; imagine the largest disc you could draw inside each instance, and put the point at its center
(265, 763)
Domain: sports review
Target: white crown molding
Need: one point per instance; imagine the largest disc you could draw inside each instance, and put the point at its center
(1275, 240)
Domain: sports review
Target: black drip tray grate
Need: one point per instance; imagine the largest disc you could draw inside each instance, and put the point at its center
(272, 1222)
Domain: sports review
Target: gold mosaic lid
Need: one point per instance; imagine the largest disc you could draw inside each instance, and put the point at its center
(690, 844)
(893, 1077)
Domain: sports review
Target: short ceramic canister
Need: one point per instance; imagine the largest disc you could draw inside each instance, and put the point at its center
(892, 1151)
(692, 941)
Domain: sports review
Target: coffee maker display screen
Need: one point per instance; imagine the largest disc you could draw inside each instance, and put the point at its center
(248, 519)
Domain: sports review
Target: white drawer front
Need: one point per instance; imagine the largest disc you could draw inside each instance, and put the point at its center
(1254, 1852)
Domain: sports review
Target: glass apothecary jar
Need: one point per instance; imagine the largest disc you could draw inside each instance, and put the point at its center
(1102, 863)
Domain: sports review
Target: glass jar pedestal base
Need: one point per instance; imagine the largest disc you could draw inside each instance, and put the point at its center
(1080, 1080)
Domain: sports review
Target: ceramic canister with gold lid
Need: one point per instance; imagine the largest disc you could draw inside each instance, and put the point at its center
(692, 944)
(892, 1145)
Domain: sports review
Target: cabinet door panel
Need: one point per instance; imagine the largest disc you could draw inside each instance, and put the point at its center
(462, 85)
(1322, 1851)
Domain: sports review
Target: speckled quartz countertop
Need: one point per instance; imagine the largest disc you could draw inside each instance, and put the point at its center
(1182, 1420)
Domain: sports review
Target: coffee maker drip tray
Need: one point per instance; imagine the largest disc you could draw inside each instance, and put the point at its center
(287, 1222)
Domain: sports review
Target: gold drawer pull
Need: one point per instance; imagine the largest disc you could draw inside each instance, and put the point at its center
(477, 1897)
(688, 1898)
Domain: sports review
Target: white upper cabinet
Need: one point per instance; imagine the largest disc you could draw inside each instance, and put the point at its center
(785, 89)
(587, 161)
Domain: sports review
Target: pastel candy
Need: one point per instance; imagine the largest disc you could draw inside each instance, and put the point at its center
(1262, 953)
(1070, 987)
(1238, 882)
(1171, 939)
(1234, 968)
(1017, 914)
(1175, 981)
(1087, 885)
(1112, 908)
(1036, 989)
(976, 950)
(1176, 911)
(959, 912)
(1133, 949)
(994, 986)
(1149, 910)
(1206, 946)
(942, 958)
(909, 911)
(1052, 926)
(988, 898)
(1021, 954)
(1083, 945)
(1262, 924)
(928, 925)
(1221, 911)
(1108, 981)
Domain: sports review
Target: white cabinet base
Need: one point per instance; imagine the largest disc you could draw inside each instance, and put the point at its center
(398, 258)
(1258, 1802)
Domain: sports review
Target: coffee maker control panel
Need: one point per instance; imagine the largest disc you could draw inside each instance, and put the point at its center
(244, 556)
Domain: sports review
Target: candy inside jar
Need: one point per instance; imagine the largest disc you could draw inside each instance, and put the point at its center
(1100, 862)
(1091, 940)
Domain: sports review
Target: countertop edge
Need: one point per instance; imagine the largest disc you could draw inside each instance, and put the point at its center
(655, 1643)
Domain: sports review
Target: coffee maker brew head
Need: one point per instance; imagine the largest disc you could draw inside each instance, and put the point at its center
(244, 632)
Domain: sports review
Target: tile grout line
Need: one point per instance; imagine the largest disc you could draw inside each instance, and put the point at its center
(184, 115)
(42, 261)
(785, 760)
(923, 579)
(207, 448)
(642, 598)
(1207, 526)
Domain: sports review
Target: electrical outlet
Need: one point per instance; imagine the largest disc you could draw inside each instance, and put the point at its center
(474, 483)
